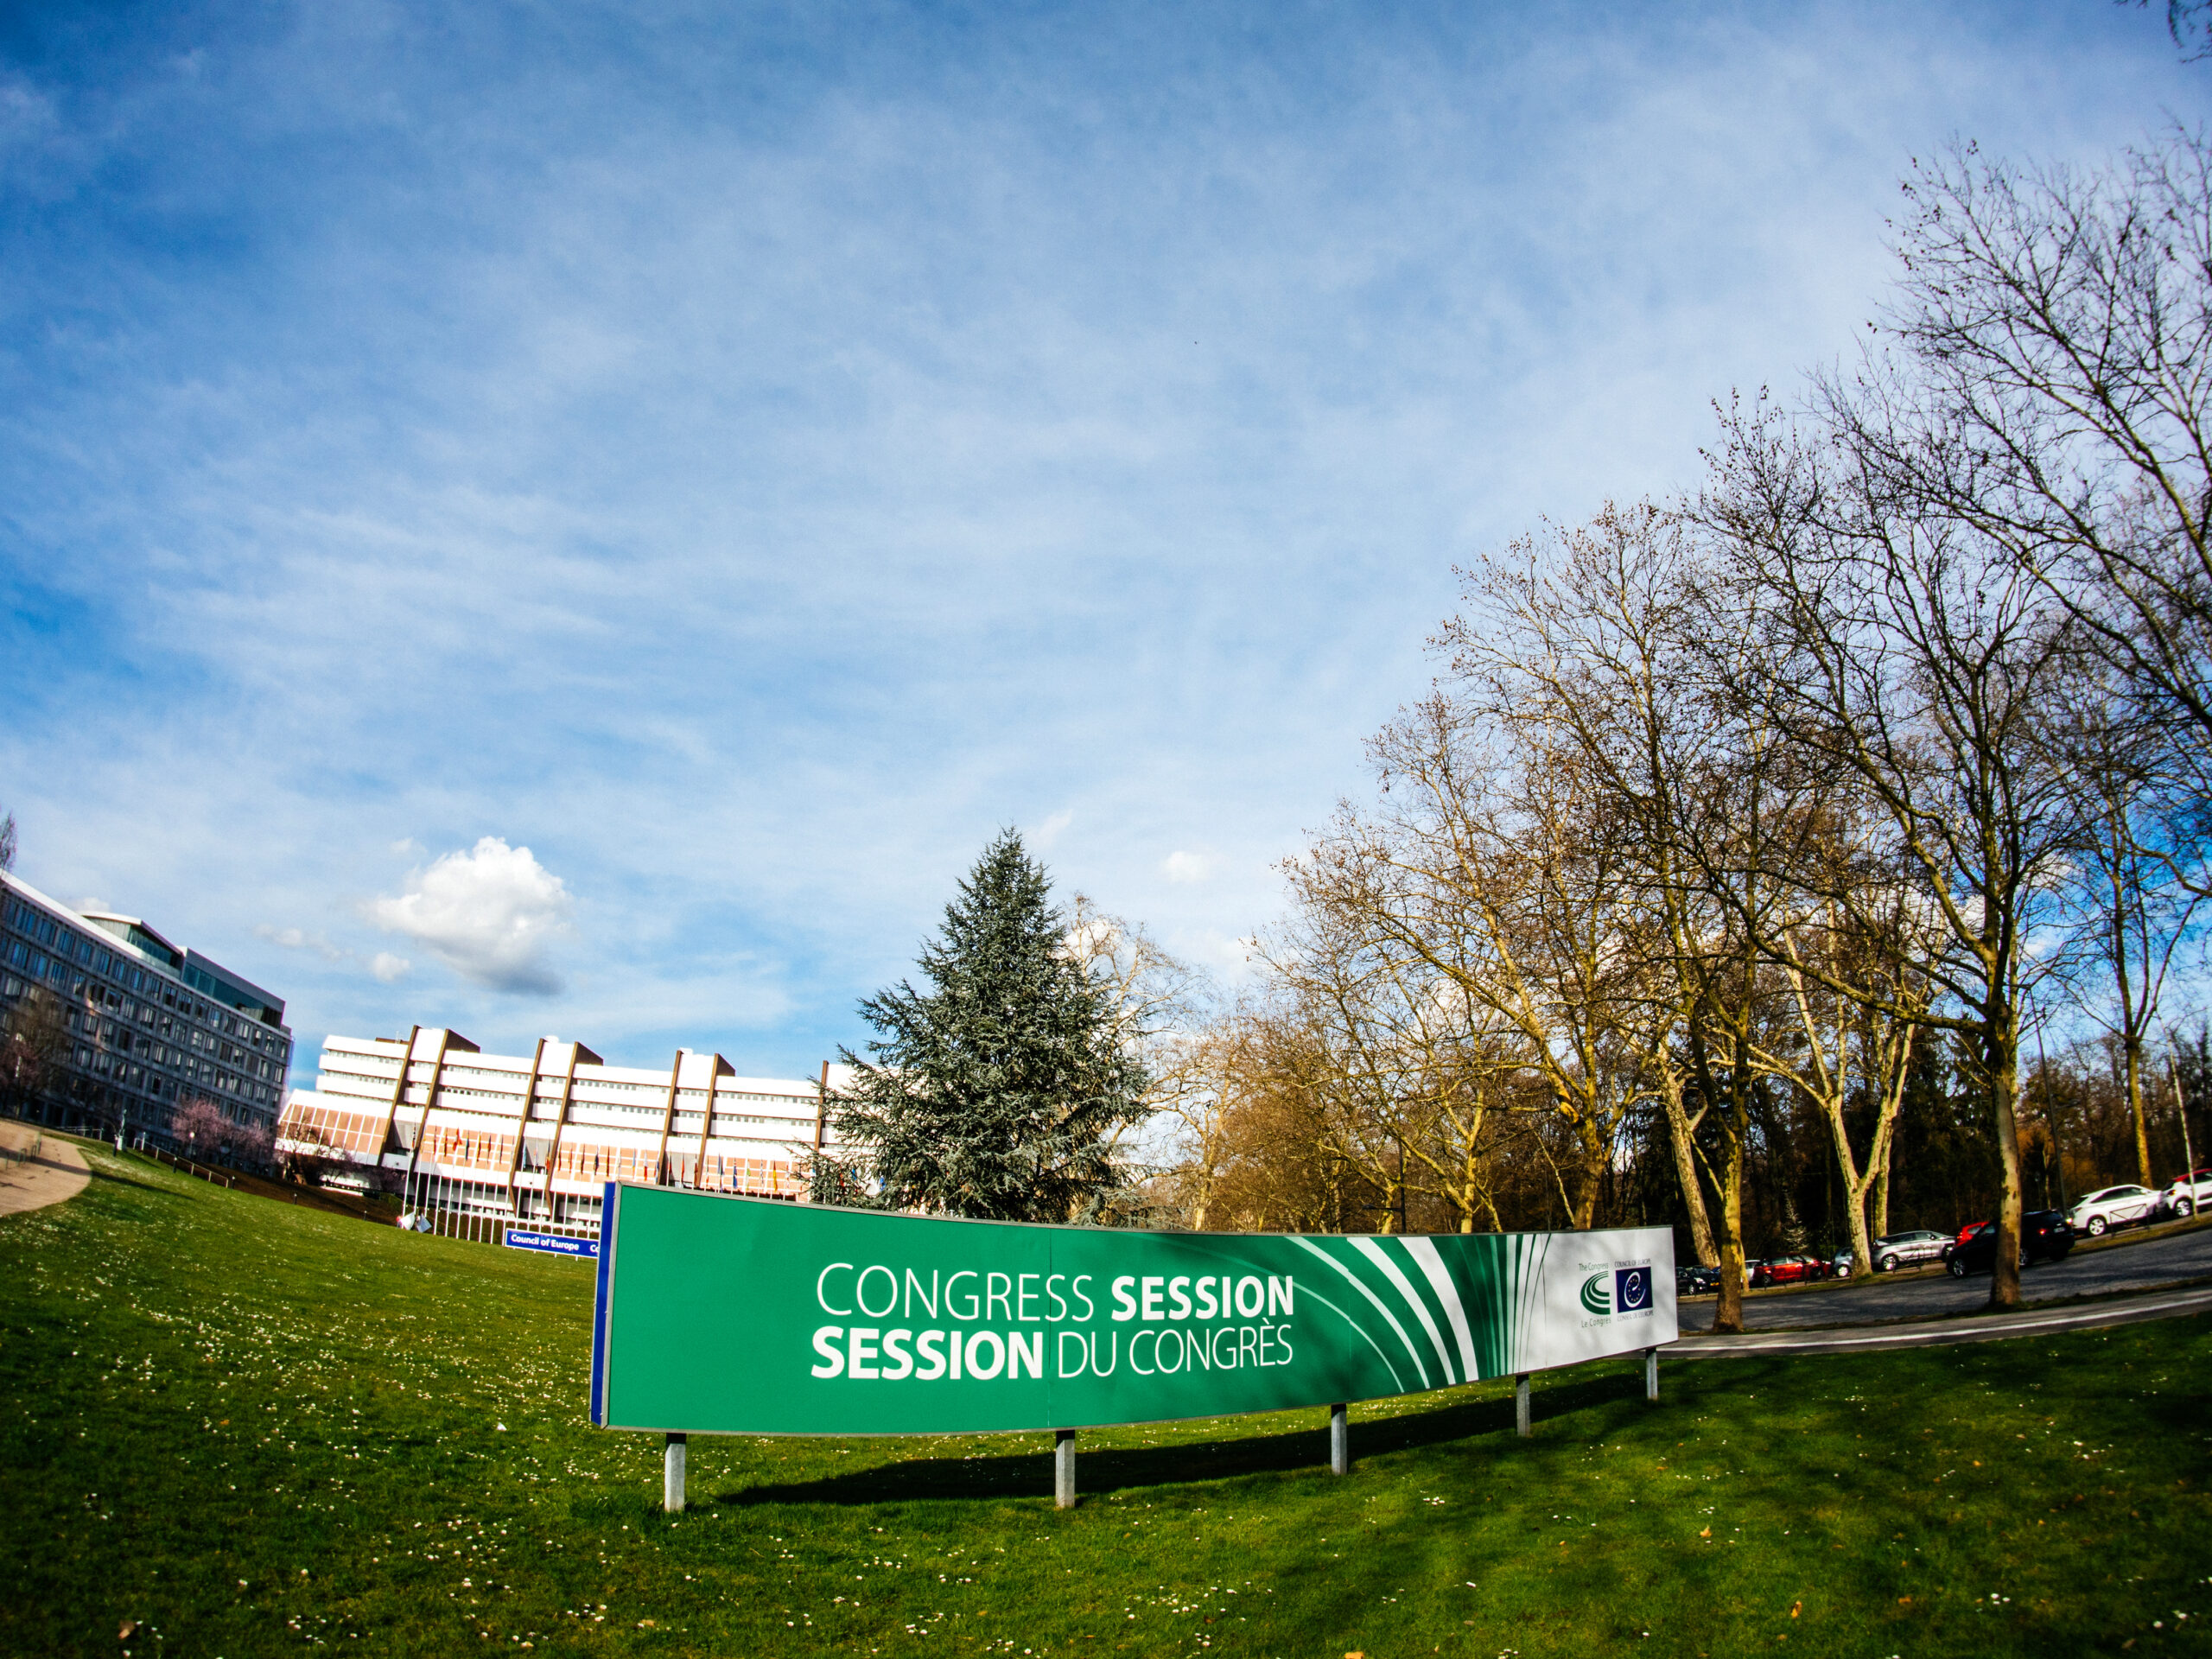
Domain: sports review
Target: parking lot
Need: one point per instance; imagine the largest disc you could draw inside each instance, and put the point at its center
(2161, 1257)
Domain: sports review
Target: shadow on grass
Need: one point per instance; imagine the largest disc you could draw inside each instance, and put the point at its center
(113, 1179)
(1112, 1469)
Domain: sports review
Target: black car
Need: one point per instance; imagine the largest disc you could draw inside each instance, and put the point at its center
(1697, 1281)
(2045, 1236)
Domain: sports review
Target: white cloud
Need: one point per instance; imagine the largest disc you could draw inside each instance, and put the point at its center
(384, 967)
(488, 913)
(1187, 868)
(294, 938)
(1042, 837)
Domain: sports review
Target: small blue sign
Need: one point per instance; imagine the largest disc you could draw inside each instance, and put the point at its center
(1632, 1290)
(551, 1244)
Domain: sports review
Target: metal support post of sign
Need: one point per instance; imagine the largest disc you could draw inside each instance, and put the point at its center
(1521, 1405)
(1339, 1441)
(671, 1474)
(1064, 1469)
(1651, 1373)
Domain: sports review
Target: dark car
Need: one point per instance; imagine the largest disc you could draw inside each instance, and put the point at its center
(1787, 1270)
(1697, 1280)
(2045, 1236)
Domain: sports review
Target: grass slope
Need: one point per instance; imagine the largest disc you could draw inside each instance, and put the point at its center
(239, 1428)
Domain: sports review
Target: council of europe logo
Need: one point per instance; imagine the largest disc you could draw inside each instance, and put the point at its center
(1629, 1292)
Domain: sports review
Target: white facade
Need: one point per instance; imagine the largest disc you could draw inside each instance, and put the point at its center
(536, 1137)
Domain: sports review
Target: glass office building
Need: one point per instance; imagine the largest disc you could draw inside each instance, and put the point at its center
(129, 1026)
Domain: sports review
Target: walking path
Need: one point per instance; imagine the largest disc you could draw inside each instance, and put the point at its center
(37, 1172)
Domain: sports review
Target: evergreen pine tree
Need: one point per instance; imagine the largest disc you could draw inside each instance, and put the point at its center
(997, 1092)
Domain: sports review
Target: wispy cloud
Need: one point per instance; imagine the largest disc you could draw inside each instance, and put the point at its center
(1187, 868)
(295, 939)
(749, 458)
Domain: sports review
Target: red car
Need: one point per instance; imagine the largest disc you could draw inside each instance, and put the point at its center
(1787, 1270)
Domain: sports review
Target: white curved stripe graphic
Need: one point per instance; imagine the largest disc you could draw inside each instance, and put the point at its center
(1396, 1381)
(1352, 1279)
(1530, 1300)
(1423, 1251)
(1373, 1252)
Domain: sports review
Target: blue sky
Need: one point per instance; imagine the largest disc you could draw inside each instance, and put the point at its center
(745, 456)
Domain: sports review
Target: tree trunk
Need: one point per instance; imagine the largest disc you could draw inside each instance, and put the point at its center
(2001, 1051)
(1681, 1133)
(1881, 1186)
(1854, 1187)
(1728, 1312)
(2132, 1041)
(1857, 1186)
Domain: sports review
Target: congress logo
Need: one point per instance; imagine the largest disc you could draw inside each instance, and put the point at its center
(1628, 1292)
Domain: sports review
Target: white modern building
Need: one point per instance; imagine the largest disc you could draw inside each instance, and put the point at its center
(534, 1138)
(145, 1026)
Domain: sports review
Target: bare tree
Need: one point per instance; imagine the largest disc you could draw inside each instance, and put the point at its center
(1598, 639)
(1492, 863)
(1420, 1070)
(1158, 1007)
(2139, 882)
(2188, 24)
(33, 1036)
(1277, 1160)
(1832, 1046)
(306, 1153)
(2050, 390)
(1904, 654)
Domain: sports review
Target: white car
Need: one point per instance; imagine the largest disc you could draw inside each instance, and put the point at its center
(1894, 1250)
(2098, 1213)
(2189, 1194)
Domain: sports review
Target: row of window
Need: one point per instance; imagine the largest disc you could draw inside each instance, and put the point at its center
(506, 1100)
(72, 949)
(133, 1019)
(510, 1083)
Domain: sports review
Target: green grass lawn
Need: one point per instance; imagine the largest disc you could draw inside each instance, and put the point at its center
(249, 1428)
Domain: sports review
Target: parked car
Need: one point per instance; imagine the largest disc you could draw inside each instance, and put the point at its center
(2045, 1236)
(1895, 1250)
(1786, 1270)
(2189, 1194)
(1696, 1279)
(2097, 1213)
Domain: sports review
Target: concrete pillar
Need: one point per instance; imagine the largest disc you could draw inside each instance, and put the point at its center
(1651, 1373)
(1521, 1405)
(1064, 1469)
(1339, 1441)
(671, 1474)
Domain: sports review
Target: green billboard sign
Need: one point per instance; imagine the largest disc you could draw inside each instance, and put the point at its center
(731, 1315)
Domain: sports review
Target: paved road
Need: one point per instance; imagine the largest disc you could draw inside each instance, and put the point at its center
(2138, 1265)
(1928, 1333)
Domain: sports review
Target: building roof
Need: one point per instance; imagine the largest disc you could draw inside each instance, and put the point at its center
(199, 972)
